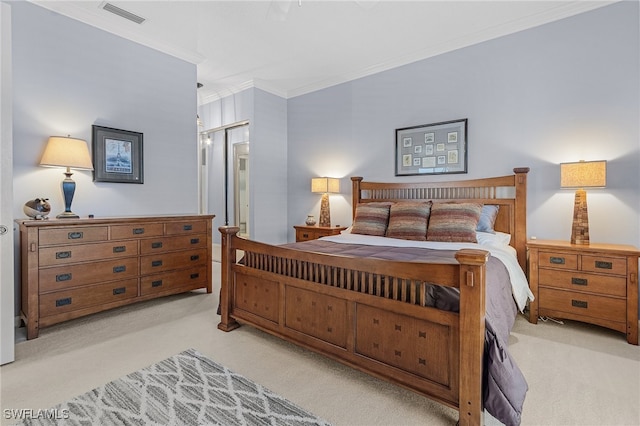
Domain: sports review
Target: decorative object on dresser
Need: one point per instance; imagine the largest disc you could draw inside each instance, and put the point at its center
(306, 233)
(432, 149)
(324, 186)
(311, 220)
(70, 153)
(117, 155)
(597, 284)
(580, 175)
(37, 209)
(73, 268)
(380, 306)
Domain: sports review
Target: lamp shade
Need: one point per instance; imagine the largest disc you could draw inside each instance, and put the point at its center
(583, 174)
(67, 152)
(325, 184)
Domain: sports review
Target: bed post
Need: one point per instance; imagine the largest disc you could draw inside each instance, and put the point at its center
(228, 259)
(355, 193)
(520, 236)
(472, 334)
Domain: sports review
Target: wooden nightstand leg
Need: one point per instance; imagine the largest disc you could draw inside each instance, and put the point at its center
(533, 285)
(632, 300)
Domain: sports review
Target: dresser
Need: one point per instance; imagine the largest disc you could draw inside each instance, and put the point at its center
(306, 232)
(76, 267)
(595, 283)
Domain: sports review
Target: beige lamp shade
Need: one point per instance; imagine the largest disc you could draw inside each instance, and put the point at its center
(325, 184)
(580, 175)
(583, 174)
(67, 152)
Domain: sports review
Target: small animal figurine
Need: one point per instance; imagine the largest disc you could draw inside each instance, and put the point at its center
(37, 209)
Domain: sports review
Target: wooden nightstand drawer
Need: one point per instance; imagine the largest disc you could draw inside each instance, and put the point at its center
(602, 284)
(583, 304)
(61, 255)
(306, 233)
(607, 265)
(558, 260)
(77, 235)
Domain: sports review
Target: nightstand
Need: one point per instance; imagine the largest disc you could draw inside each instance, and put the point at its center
(595, 283)
(306, 233)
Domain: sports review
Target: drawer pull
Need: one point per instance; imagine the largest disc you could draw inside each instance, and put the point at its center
(556, 260)
(118, 269)
(156, 263)
(63, 302)
(119, 290)
(305, 235)
(119, 249)
(157, 283)
(579, 304)
(194, 276)
(578, 281)
(74, 235)
(600, 264)
(195, 240)
(157, 244)
(195, 257)
(63, 277)
(63, 255)
(138, 231)
(187, 227)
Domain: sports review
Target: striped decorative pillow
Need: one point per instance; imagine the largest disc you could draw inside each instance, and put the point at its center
(408, 220)
(371, 219)
(454, 222)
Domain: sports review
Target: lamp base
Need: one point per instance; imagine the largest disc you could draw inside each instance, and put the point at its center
(580, 226)
(325, 215)
(67, 215)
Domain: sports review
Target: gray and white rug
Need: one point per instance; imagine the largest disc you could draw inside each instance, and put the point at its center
(186, 389)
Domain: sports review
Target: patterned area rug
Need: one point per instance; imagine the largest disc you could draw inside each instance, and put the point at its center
(186, 389)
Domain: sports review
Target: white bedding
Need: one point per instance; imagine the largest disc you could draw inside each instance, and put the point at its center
(493, 243)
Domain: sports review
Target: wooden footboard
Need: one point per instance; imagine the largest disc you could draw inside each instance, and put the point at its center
(368, 314)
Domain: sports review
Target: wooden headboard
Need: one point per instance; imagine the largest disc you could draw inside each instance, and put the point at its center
(509, 192)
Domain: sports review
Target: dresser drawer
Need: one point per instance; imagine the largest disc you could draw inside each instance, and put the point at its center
(176, 260)
(588, 305)
(138, 230)
(172, 280)
(164, 244)
(61, 255)
(558, 260)
(61, 277)
(602, 284)
(73, 299)
(75, 235)
(306, 235)
(187, 227)
(606, 265)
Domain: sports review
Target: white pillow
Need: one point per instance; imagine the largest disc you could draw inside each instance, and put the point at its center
(497, 239)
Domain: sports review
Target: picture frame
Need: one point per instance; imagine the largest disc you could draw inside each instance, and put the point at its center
(117, 155)
(437, 148)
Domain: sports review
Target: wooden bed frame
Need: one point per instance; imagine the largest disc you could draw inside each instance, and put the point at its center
(329, 303)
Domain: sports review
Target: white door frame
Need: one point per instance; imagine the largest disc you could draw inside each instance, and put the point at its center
(7, 299)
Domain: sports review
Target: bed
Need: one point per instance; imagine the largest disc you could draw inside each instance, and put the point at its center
(429, 314)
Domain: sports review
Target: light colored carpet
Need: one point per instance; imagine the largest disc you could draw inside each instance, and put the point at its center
(578, 374)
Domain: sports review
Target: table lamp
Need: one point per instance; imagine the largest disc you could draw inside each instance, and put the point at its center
(70, 153)
(580, 175)
(324, 186)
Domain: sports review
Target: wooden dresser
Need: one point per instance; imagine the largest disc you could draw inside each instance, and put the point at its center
(76, 267)
(596, 283)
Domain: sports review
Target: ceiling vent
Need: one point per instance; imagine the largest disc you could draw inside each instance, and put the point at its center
(123, 13)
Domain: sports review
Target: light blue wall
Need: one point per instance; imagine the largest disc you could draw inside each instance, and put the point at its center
(561, 92)
(69, 76)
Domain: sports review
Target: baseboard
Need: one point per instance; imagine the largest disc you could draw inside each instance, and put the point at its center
(17, 322)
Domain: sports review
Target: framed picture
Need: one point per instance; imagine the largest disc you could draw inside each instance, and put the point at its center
(448, 139)
(117, 155)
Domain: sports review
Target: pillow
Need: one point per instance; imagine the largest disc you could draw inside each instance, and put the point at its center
(454, 222)
(371, 219)
(408, 220)
(488, 218)
(496, 239)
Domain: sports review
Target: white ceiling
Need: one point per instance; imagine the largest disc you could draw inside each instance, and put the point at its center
(294, 47)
